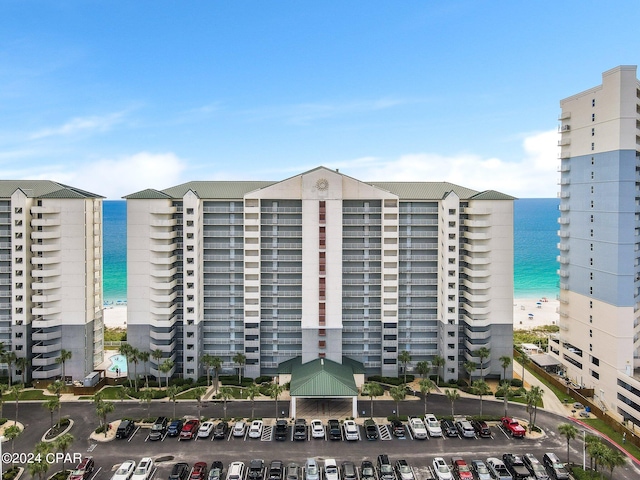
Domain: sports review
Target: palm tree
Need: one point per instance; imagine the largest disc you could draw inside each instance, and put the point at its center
(426, 385)
(144, 358)
(216, 363)
(17, 391)
(482, 352)
(423, 368)
(146, 396)
(505, 361)
(172, 393)
(3, 389)
(166, 367)
(452, 395)
(56, 388)
(613, 458)
(372, 389)
(438, 363)
(65, 355)
(62, 444)
(597, 451)
(523, 358)
(207, 361)
(52, 405)
(469, 367)
(570, 431)
(533, 397)
(252, 392)
(199, 392)
(481, 388)
(274, 392)
(40, 468)
(240, 359)
(505, 389)
(157, 356)
(10, 433)
(9, 358)
(126, 351)
(22, 364)
(225, 394)
(404, 357)
(398, 393)
(135, 358)
(589, 442)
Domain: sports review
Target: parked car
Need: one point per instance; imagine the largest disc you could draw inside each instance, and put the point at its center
(397, 427)
(371, 429)
(449, 428)
(349, 471)
(311, 469)
(125, 428)
(516, 466)
(216, 471)
(174, 428)
(199, 471)
(441, 469)
(367, 471)
(481, 428)
(461, 469)
(179, 471)
(331, 469)
(317, 429)
(535, 467)
(512, 427)
(292, 472)
(158, 429)
(433, 425)
(465, 429)
(351, 430)
(125, 471)
(189, 430)
(83, 470)
(255, 430)
(417, 428)
(238, 429)
(275, 470)
(481, 470)
(300, 429)
(236, 471)
(281, 430)
(335, 432)
(221, 430)
(205, 429)
(498, 469)
(144, 469)
(404, 470)
(256, 469)
(554, 466)
(385, 469)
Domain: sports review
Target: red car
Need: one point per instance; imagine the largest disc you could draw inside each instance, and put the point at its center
(83, 470)
(513, 427)
(461, 469)
(189, 430)
(199, 471)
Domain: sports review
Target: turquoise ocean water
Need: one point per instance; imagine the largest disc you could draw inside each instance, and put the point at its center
(535, 240)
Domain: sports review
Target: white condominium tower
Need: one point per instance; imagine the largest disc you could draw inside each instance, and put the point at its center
(320, 265)
(599, 338)
(50, 278)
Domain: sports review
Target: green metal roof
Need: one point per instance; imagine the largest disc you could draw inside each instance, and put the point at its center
(215, 189)
(147, 194)
(42, 189)
(322, 378)
(492, 195)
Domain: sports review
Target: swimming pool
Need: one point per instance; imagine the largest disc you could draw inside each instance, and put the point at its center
(118, 362)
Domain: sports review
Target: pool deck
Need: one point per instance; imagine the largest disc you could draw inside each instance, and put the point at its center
(107, 365)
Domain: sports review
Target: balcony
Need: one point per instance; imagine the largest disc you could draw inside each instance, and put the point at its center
(41, 348)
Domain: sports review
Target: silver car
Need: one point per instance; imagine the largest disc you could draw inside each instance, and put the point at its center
(311, 470)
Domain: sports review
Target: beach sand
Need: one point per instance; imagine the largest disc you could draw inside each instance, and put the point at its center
(115, 316)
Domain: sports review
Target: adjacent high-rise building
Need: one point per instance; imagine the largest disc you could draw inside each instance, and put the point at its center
(50, 279)
(320, 265)
(599, 338)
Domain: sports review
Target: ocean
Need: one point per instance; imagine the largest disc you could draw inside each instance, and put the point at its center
(535, 247)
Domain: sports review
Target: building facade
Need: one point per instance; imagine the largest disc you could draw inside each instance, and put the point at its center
(599, 338)
(50, 278)
(320, 265)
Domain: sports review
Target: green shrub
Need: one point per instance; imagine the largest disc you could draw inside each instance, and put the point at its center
(264, 379)
(10, 473)
(516, 382)
(462, 382)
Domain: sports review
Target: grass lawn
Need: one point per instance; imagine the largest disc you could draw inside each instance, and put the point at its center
(27, 395)
(613, 435)
(561, 394)
(111, 393)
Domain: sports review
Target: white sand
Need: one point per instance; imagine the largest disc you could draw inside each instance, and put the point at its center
(115, 316)
(544, 313)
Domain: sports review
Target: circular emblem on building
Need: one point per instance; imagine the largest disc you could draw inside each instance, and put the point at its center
(322, 184)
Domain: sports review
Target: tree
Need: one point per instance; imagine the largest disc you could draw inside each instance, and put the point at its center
(172, 393)
(146, 396)
(482, 352)
(16, 390)
(52, 405)
(426, 385)
(372, 389)
(3, 389)
(613, 458)
(199, 392)
(469, 367)
(207, 361)
(103, 409)
(135, 358)
(63, 444)
(216, 363)
(240, 359)
(505, 390)
(10, 433)
(404, 357)
(157, 356)
(225, 394)
(438, 363)
(252, 392)
(122, 393)
(481, 388)
(589, 441)
(524, 360)
(452, 395)
(56, 387)
(533, 397)
(144, 358)
(126, 350)
(569, 431)
(41, 467)
(398, 393)
(10, 359)
(65, 356)
(597, 452)
(274, 392)
(423, 368)
(166, 367)
(505, 361)
(22, 364)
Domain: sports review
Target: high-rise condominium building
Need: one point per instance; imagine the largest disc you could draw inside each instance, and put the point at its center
(599, 336)
(50, 278)
(320, 265)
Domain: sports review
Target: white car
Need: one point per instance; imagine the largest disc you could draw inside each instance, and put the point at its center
(351, 430)
(238, 429)
(417, 428)
(317, 429)
(441, 469)
(331, 471)
(205, 429)
(255, 430)
(144, 470)
(433, 425)
(124, 471)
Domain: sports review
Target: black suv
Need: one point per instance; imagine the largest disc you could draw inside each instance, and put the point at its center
(125, 428)
(397, 427)
(275, 470)
(385, 468)
(449, 428)
(371, 429)
(367, 471)
(300, 429)
(282, 426)
(256, 469)
(158, 429)
(217, 467)
(481, 428)
(180, 471)
(516, 467)
(220, 430)
(335, 432)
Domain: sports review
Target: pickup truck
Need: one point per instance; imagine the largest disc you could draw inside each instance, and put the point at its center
(513, 427)
(516, 466)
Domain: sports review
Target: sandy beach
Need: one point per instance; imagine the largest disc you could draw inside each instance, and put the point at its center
(115, 316)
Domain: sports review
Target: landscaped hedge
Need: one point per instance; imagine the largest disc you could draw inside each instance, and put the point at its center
(390, 380)
(233, 380)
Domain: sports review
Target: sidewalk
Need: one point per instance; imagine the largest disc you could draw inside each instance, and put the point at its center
(551, 402)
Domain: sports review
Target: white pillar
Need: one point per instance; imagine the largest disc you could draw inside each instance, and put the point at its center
(292, 407)
(354, 407)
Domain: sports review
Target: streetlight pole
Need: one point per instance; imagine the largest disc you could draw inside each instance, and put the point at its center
(584, 450)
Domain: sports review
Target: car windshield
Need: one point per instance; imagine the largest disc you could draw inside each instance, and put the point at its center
(312, 470)
(331, 469)
(141, 470)
(464, 468)
(481, 469)
(538, 468)
(367, 472)
(385, 468)
(443, 468)
(558, 465)
(78, 472)
(122, 471)
(405, 468)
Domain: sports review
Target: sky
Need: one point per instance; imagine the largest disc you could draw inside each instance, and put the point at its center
(115, 97)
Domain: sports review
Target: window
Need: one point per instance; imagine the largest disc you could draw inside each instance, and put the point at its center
(451, 346)
(592, 201)
(451, 358)
(591, 333)
(591, 219)
(591, 232)
(593, 117)
(452, 211)
(591, 246)
(591, 347)
(591, 262)
(593, 146)
(592, 175)
(593, 102)
(595, 374)
(590, 304)
(593, 160)
(590, 275)
(189, 211)
(595, 361)
(593, 132)
(590, 290)
(592, 194)
(590, 318)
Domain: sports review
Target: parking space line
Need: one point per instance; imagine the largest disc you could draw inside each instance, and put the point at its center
(96, 473)
(133, 434)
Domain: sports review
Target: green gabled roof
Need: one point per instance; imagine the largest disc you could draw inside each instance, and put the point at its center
(492, 195)
(217, 189)
(286, 367)
(356, 366)
(147, 194)
(424, 190)
(322, 378)
(42, 189)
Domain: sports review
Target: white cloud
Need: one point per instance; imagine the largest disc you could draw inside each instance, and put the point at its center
(81, 124)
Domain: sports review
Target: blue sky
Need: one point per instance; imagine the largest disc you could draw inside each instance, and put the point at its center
(115, 96)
